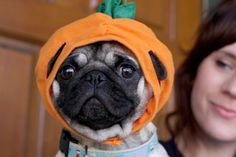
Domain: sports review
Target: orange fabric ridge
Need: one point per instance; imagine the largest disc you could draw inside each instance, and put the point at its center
(100, 27)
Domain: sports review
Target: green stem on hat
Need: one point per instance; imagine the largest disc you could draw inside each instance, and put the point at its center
(118, 8)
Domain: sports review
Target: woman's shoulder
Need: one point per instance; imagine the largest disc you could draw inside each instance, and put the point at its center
(171, 148)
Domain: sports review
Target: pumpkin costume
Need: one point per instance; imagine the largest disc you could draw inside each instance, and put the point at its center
(101, 27)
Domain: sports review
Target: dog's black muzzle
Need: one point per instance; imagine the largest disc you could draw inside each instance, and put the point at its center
(95, 78)
(96, 100)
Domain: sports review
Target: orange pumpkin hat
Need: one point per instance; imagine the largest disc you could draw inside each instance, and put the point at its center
(101, 27)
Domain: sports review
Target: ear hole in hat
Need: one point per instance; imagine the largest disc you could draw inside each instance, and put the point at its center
(54, 58)
(159, 67)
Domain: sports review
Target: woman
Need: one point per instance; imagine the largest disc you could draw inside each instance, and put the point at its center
(205, 91)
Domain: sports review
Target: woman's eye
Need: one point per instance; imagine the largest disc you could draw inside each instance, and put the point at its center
(223, 64)
(127, 70)
(67, 72)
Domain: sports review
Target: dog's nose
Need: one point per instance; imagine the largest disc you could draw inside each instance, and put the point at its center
(95, 77)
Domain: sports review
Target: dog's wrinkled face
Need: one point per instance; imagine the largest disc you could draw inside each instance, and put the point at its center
(99, 85)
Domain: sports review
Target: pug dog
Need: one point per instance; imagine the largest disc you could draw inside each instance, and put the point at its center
(100, 91)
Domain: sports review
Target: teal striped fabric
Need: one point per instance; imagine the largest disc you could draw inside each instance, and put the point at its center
(76, 150)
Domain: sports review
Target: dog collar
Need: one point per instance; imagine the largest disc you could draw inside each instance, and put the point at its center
(77, 150)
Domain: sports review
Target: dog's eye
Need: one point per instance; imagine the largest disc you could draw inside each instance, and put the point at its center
(127, 70)
(67, 72)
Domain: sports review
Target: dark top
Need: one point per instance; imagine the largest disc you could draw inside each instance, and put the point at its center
(171, 148)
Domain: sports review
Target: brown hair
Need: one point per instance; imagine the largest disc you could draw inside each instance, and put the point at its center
(217, 30)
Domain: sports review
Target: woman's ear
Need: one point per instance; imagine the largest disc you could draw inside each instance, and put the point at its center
(54, 58)
(159, 67)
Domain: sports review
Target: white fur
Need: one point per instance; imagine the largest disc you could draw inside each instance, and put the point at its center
(109, 58)
(81, 59)
(56, 89)
(119, 50)
(141, 86)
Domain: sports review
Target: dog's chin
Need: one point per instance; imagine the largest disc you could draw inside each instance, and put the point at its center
(96, 116)
(121, 129)
(100, 133)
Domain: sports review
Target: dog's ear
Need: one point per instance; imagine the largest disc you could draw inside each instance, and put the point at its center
(159, 67)
(54, 58)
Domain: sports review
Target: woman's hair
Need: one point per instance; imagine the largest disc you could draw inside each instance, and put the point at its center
(217, 30)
